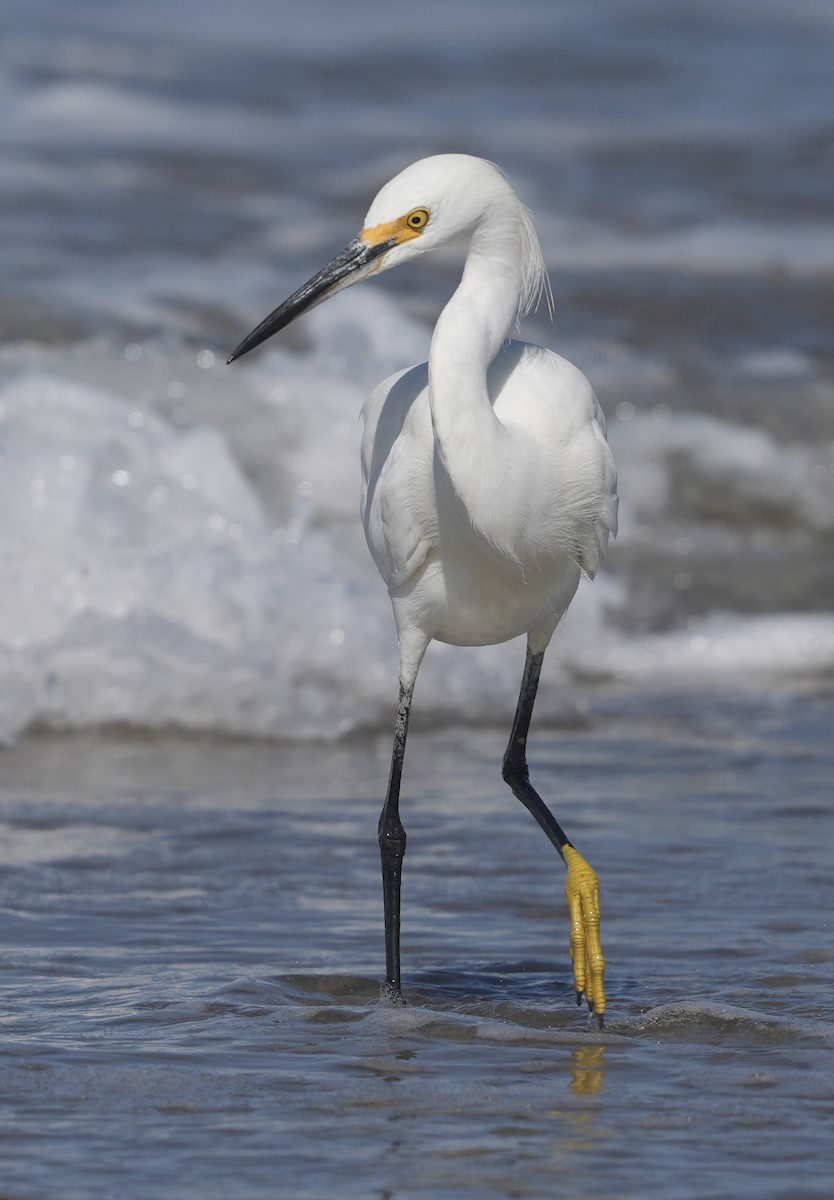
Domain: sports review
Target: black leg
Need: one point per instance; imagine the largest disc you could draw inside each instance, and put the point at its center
(582, 885)
(515, 770)
(392, 849)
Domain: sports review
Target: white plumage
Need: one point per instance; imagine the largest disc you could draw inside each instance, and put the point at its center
(488, 485)
(480, 562)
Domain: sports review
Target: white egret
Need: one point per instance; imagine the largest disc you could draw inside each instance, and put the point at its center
(488, 486)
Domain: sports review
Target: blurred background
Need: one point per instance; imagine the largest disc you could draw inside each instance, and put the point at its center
(180, 543)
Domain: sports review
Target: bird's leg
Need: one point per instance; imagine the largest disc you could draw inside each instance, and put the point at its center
(581, 886)
(392, 849)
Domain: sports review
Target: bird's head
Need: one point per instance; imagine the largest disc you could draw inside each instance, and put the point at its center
(431, 202)
(427, 204)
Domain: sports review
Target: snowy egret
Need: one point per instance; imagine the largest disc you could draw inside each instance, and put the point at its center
(488, 485)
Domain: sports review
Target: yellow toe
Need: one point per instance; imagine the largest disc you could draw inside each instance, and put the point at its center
(582, 893)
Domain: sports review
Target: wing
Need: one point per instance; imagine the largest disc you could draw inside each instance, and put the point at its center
(571, 493)
(563, 503)
(398, 504)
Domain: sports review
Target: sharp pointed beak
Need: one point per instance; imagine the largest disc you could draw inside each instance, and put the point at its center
(356, 261)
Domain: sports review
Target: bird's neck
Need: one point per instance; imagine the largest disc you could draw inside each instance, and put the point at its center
(481, 313)
(470, 441)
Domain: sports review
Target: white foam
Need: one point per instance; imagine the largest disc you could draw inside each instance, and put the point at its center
(755, 475)
(149, 579)
(729, 649)
(144, 583)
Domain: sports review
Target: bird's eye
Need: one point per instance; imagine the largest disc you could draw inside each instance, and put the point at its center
(417, 218)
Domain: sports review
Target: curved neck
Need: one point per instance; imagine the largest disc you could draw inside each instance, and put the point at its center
(469, 438)
(479, 316)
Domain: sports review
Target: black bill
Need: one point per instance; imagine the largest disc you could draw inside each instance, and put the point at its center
(354, 262)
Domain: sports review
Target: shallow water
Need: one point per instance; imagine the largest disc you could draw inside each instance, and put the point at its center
(193, 947)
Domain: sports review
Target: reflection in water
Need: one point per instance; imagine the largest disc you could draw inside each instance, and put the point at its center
(581, 1128)
(587, 1070)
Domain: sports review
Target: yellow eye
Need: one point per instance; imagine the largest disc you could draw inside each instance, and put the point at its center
(417, 218)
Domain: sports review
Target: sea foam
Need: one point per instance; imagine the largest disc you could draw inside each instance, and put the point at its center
(181, 546)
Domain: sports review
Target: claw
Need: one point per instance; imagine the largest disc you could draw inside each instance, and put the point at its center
(582, 893)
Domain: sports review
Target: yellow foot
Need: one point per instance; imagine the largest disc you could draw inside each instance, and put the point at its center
(582, 893)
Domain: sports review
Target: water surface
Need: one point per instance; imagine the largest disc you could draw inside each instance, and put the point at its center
(193, 948)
